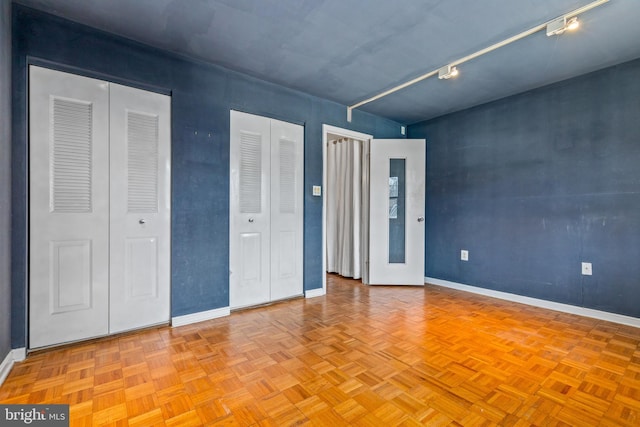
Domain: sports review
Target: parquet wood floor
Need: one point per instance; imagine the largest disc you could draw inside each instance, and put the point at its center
(363, 356)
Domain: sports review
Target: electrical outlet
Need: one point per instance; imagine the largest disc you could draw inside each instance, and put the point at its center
(464, 255)
(317, 190)
(403, 130)
(586, 269)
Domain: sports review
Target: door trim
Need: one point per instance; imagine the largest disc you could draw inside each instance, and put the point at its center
(326, 131)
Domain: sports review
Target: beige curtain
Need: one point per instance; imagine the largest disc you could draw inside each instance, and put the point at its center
(347, 206)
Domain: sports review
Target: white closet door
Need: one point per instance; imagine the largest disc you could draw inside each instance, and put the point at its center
(140, 208)
(68, 207)
(287, 159)
(249, 210)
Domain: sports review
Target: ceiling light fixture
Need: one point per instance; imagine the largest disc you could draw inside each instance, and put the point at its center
(560, 25)
(568, 21)
(573, 23)
(447, 72)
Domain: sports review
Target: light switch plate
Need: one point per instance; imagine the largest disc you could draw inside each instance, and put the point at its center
(317, 190)
(586, 269)
(464, 255)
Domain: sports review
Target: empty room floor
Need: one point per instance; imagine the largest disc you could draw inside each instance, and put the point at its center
(375, 356)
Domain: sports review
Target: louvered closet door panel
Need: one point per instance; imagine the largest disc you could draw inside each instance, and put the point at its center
(140, 208)
(286, 209)
(68, 207)
(249, 210)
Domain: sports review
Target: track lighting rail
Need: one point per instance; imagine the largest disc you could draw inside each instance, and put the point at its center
(553, 27)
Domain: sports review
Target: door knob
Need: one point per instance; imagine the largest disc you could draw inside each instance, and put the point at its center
(250, 219)
(420, 218)
(142, 221)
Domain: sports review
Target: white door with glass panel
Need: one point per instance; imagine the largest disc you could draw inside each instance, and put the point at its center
(397, 195)
(99, 208)
(265, 210)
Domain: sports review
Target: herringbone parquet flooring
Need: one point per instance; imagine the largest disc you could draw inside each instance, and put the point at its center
(367, 356)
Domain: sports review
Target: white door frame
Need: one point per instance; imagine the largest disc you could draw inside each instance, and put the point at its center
(326, 130)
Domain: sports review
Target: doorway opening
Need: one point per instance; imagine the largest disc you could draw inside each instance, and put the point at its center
(392, 201)
(345, 206)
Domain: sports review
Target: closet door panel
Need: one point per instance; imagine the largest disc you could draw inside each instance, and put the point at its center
(68, 207)
(249, 210)
(286, 209)
(140, 208)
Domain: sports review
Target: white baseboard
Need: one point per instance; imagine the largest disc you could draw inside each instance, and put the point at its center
(312, 293)
(15, 355)
(5, 367)
(201, 316)
(550, 305)
(19, 354)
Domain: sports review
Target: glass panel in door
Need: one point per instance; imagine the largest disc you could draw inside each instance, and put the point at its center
(397, 203)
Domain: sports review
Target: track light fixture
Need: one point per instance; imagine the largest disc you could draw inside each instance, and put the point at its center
(573, 23)
(561, 25)
(447, 72)
(567, 22)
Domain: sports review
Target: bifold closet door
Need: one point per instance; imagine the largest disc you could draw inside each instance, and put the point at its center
(286, 209)
(68, 207)
(266, 215)
(99, 208)
(140, 259)
(249, 216)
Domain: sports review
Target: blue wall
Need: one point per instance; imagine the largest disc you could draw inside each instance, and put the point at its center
(536, 183)
(202, 96)
(5, 179)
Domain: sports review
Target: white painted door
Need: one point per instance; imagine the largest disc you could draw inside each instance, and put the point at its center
(99, 208)
(397, 195)
(140, 208)
(266, 210)
(249, 213)
(287, 159)
(68, 207)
